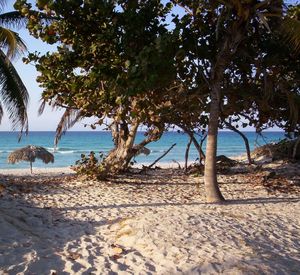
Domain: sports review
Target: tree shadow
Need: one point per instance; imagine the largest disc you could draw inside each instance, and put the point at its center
(34, 241)
(264, 256)
(269, 263)
(255, 201)
(262, 200)
(48, 240)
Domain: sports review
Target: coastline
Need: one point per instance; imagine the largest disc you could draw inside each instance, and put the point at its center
(74, 144)
(37, 171)
(67, 170)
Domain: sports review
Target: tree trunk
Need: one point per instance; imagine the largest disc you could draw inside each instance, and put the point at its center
(201, 146)
(213, 193)
(186, 157)
(119, 158)
(158, 159)
(228, 48)
(295, 148)
(246, 141)
(195, 142)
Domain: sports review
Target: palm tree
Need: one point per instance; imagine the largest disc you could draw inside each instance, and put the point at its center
(13, 93)
(290, 27)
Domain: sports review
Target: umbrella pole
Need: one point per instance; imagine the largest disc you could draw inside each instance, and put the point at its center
(31, 167)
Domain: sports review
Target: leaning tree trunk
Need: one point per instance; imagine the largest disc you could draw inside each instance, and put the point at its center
(213, 193)
(246, 141)
(195, 142)
(119, 158)
(186, 156)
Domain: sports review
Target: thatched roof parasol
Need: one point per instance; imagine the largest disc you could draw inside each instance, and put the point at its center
(30, 153)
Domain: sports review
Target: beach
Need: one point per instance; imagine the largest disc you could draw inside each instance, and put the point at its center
(150, 137)
(152, 223)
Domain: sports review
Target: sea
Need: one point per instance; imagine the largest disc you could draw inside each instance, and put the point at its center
(73, 144)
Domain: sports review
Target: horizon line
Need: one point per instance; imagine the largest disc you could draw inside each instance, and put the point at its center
(181, 131)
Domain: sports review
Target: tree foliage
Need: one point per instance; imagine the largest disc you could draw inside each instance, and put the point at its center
(237, 45)
(13, 93)
(113, 60)
(220, 62)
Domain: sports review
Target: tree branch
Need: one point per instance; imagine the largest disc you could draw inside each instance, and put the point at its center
(153, 163)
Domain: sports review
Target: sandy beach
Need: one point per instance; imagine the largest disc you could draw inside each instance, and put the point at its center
(155, 223)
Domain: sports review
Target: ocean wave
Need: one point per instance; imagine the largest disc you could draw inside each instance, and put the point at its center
(158, 151)
(74, 151)
(66, 152)
(231, 149)
(51, 149)
(62, 150)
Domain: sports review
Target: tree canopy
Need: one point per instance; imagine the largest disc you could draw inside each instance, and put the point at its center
(220, 61)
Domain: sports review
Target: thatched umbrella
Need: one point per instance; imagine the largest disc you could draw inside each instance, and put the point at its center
(30, 153)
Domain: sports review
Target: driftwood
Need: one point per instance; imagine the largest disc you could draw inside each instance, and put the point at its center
(195, 169)
(158, 159)
(175, 161)
(225, 160)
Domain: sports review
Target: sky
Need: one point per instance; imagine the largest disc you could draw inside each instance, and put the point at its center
(49, 119)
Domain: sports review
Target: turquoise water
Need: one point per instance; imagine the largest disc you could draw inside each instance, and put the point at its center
(73, 144)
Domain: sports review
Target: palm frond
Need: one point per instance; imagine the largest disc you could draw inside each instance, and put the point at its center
(2, 5)
(290, 29)
(13, 93)
(11, 41)
(42, 107)
(67, 121)
(13, 19)
(16, 20)
(263, 20)
(48, 19)
(1, 113)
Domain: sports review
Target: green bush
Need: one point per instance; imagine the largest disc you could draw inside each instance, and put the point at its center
(90, 167)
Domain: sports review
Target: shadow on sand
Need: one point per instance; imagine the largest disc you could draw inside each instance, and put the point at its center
(34, 241)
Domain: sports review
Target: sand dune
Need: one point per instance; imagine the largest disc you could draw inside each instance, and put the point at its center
(154, 224)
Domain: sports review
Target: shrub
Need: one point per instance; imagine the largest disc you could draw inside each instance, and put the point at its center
(90, 167)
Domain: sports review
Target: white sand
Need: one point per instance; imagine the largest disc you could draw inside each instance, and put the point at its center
(154, 224)
(57, 171)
